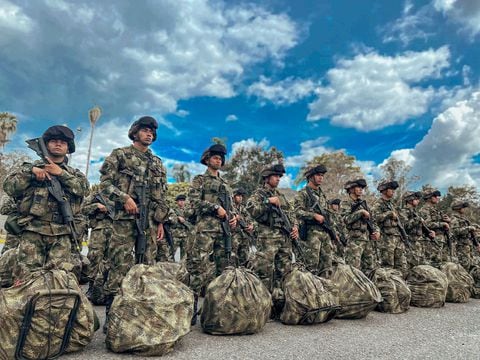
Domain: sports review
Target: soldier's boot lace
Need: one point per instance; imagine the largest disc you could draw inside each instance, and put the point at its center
(195, 310)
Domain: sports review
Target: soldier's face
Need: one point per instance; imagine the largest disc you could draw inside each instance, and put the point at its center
(435, 199)
(145, 136)
(181, 203)
(273, 180)
(415, 202)
(215, 162)
(317, 179)
(334, 207)
(57, 147)
(389, 193)
(358, 191)
(238, 199)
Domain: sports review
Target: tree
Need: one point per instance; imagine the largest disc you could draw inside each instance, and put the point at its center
(243, 169)
(340, 168)
(8, 162)
(399, 171)
(180, 173)
(8, 125)
(176, 189)
(467, 193)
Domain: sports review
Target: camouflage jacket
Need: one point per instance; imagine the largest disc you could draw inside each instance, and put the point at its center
(355, 225)
(39, 211)
(96, 219)
(261, 211)
(412, 222)
(383, 212)
(245, 218)
(8, 206)
(204, 198)
(123, 170)
(303, 206)
(179, 230)
(462, 228)
(433, 217)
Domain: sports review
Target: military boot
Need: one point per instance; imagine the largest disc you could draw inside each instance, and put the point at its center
(195, 309)
(108, 305)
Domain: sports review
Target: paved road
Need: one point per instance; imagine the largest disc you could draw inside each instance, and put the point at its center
(452, 332)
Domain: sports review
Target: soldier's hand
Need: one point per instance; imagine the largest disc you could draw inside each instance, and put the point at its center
(181, 219)
(221, 213)
(40, 174)
(365, 214)
(294, 234)
(52, 168)
(160, 232)
(446, 218)
(274, 200)
(249, 228)
(431, 234)
(102, 208)
(319, 218)
(375, 236)
(233, 222)
(130, 206)
(446, 226)
(393, 215)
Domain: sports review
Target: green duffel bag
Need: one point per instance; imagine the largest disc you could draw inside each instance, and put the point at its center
(308, 299)
(395, 292)
(151, 313)
(8, 261)
(475, 274)
(460, 283)
(428, 286)
(236, 302)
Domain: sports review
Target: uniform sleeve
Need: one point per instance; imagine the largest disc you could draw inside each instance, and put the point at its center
(74, 181)
(256, 205)
(458, 227)
(348, 216)
(300, 205)
(19, 180)
(380, 212)
(108, 172)
(199, 205)
(158, 193)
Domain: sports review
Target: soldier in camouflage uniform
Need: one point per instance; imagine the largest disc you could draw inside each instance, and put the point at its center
(179, 227)
(100, 214)
(207, 258)
(9, 208)
(339, 225)
(274, 244)
(46, 240)
(387, 217)
(439, 222)
(308, 204)
(123, 174)
(418, 232)
(465, 233)
(243, 237)
(362, 233)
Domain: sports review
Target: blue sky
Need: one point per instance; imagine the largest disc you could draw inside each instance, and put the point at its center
(378, 79)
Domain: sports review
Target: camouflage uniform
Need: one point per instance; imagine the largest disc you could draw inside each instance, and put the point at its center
(413, 227)
(316, 243)
(207, 258)
(392, 248)
(181, 232)
(464, 233)
(274, 255)
(340, 229)
(242, 241)
(123, 170)
(9, 208)
(45, 241)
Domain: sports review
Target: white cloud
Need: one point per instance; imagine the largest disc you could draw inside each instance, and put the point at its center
(231, 118)
(308, 150)
(284, 92)
(466, 13)
(12, 18)
(249, 144)
(286, 181)
(445, 155)
(182, 113)
(372, 91)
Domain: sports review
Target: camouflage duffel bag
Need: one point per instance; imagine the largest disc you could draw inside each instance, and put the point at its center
(44, 317)
(395, 292)
(307, 300)
(428, 286)
(236, 302)
(475, 274)
(460, 283)
(7, 263)
(177, 270)
(356, 293)
(151, 313)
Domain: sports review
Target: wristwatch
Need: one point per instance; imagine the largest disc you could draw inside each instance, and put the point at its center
(216, 207)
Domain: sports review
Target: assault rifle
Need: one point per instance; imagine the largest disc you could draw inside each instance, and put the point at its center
(226, 203)
(326, 225)
(169, 238)
(55, 189)
(110, 209)
(363, 204)
(243, 227)
(401, 229)
(141, 223)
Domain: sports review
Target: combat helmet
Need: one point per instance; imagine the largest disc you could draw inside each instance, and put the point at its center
(215, 149)
(60, 132)
(144, 121)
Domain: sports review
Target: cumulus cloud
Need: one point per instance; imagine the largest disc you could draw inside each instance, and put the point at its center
(285, 92)
(466, 13)
(130, 58)
(308, 150)
(231, 118)
(249, 144)
(372, 91)
(445, 156)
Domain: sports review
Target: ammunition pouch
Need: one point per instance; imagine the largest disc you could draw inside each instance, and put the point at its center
(39, 203)
(11, 225)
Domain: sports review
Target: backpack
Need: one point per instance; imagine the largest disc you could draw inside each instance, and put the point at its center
(395, 292)
(428, 286)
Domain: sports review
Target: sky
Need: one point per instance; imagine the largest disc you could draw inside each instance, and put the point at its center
(377, 79)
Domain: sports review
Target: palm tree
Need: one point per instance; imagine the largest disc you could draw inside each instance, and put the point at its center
(8, 125)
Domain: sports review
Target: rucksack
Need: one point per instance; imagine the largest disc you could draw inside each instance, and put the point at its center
(460, 283)
(428, 286)
(395, 292)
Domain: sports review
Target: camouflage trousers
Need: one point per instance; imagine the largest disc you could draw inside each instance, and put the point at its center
(180, 243)
(11, 242)
(273, 258)
(465, 254)
(37, 251)
(207, 259)
(97, 246)
(318, 251)
(361, 254)
(415, 255)
(241, 243)
(164, 253)
(120, 253)
(437, 250)
(392, 253)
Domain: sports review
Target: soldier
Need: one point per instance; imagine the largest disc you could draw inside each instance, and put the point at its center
(275, 232)
(46, 239)
(243, 237)
(126, 175)
(100, 213)
(180, 228)
(311, 209)
(9, 208)
(465, 234)
(439, 222)
(393, 238)
(339, 225)
(361, 250)
(210, 198)
(418, 232)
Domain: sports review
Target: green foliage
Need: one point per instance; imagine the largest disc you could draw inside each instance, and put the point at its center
(176, 189)
(181, 173)
(399, 171)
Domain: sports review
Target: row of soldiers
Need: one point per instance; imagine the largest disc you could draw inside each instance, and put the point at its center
(212, 225)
